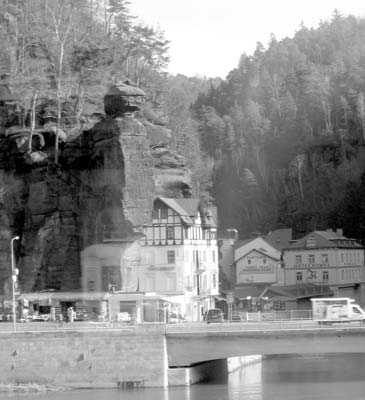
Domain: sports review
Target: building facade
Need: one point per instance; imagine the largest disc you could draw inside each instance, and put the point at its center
(180, 255)
(257, 262)
(327, 258)
(177, 259)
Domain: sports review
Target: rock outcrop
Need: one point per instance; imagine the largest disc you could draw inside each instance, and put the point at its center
(102, 188)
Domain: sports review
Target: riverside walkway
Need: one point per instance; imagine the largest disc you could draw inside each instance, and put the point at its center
(195, 328)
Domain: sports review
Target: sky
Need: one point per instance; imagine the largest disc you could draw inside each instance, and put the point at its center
(207, 37)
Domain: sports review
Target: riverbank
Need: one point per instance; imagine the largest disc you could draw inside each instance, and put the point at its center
(27, 388)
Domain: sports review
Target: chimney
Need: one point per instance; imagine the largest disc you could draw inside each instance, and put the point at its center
(232, 234)
(339, 231)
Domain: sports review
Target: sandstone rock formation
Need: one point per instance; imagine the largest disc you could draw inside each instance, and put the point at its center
(102, 188)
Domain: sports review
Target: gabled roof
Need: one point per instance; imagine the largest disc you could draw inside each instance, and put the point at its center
(242, 242)
(188, 210)
(242, 248)
(261, 251)
(279, 238)
(177, 207)
(324, 239)
(191, 206)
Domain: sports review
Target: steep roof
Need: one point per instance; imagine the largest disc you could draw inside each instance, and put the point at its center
(261, 251)
(279, 238)
(243, 247)
(191, 206)
(188, 210)
(175, 205)
(242, 242)
(324, 239)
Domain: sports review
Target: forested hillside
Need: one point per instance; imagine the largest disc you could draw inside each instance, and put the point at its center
(60, 58)
(280, 142)
(284, 134)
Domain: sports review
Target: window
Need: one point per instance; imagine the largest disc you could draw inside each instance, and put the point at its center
(155, 213)
(324, 258)
(299, 276)
(170, 232)
(325, 275)
(214, 281)
(342, 257)
(188, 282)
(311, 241)
(213, 255)
(248, 261)
(298, 259)
(163, 212)
(264, 260)
(110, 276)
(171, 257)
(91, 287)
(311, 259)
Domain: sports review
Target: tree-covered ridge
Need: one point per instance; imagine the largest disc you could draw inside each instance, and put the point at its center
(74, 49)
(284, 133)
(60, 58)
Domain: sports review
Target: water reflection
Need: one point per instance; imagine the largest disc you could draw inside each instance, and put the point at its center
(246, 382)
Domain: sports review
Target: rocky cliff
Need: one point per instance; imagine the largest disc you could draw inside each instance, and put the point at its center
(102, 187)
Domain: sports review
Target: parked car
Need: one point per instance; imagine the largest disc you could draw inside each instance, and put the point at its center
(41, 318)
(174, 318)
(81, 316)
(214, 315)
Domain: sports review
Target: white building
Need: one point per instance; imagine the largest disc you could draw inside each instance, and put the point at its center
(176, 260)
(327, 258)
(257, 262)
(181, 255)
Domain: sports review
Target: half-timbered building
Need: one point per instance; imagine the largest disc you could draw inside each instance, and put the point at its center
(180, 254)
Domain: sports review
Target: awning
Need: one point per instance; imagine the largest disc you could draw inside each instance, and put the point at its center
(35, 296)
(71, 296)
(61, 296)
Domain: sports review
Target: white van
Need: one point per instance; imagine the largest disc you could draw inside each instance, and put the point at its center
(336, 309)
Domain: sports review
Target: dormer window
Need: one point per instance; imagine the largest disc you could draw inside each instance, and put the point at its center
(311, 241)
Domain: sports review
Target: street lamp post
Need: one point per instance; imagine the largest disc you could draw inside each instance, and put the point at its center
(13, 278)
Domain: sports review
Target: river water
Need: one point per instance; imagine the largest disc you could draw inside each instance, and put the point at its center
(330, 377)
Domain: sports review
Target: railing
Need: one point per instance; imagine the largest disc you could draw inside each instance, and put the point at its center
(289, 315)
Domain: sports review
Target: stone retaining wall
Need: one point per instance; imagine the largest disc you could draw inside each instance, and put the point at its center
(91, 359)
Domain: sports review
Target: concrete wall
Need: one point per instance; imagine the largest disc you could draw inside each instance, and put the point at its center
(190, 349)
(92, 359)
